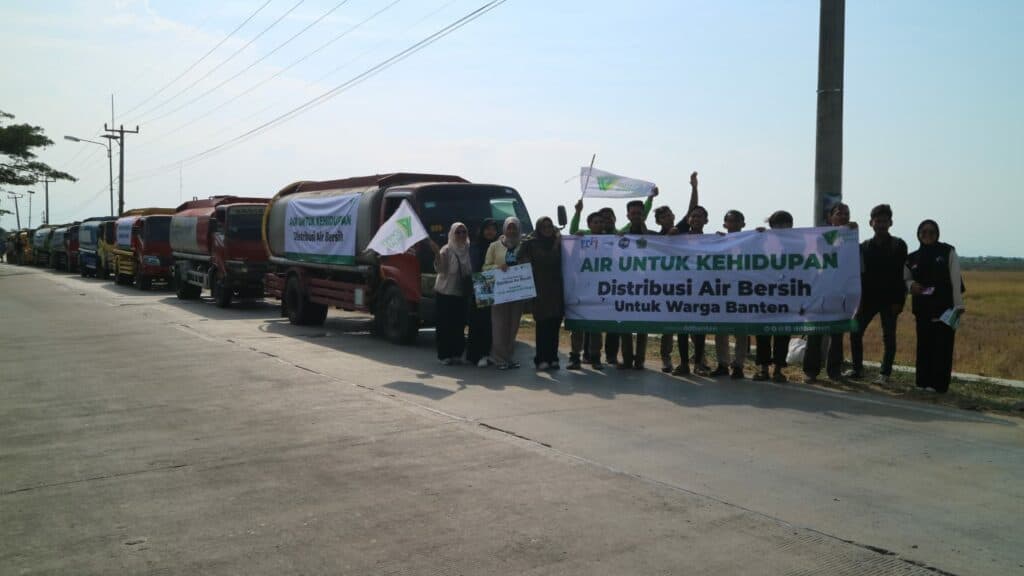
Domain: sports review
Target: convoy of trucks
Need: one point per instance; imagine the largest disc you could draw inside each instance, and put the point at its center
(306, 246)
(216, 244)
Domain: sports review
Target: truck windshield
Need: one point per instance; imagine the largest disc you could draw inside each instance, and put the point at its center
(245, 223)
(158, 229)
(87, 236)
(441, 206)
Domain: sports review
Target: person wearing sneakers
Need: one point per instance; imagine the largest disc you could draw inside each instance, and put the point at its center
(586, 346)
(882, 292)
(772, 349)
(734, 222)
(667, 226)
(504, 317)
(453, 266)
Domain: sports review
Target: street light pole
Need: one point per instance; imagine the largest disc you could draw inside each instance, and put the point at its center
(120, 177)
(31, 193)
(110, 161)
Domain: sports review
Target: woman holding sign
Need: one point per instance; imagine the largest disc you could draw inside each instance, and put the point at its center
(504, 317)
(453, 267)
(932, 275)
(543, 252)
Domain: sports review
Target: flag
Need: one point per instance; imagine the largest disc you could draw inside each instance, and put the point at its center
(400, 233)
(600, 184)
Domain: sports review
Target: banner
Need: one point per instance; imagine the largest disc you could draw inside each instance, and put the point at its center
(321, 229)
(124, 232)
(796, 281)
(600, 184)
(497, 287)
(400, 233)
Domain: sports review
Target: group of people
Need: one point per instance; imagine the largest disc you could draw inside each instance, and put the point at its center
(930, 274)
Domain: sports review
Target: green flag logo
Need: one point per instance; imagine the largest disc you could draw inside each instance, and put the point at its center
(406, 225)
(831, 236)
(606, 182)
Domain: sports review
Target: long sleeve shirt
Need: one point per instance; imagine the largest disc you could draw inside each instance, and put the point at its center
(574, 224)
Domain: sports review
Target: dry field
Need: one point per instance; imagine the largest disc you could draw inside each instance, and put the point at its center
(990, 341)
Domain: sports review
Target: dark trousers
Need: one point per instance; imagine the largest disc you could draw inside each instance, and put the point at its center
(479, 345)
(813, 355)
(865, 315)
(772, 350)
(934, 355)
(547, 340)
(611, 347)
(684, 348)
(634, 356)
(451, 326)
(585, 342)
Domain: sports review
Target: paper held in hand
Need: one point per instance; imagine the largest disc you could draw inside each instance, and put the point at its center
(400, 233)
(497, 287)
(600, 184)
(951, 317)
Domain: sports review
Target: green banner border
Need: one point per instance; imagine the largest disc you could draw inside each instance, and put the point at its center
(751, 328)
(320, 258)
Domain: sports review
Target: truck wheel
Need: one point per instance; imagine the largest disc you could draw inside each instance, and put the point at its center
(142, 282)
(301, 311)
(220, 292)
(395, 319)
(184, 290)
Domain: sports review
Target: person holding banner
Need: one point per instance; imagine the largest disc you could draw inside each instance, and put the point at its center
(932, 275)
(543, 252)
(478, 347)
(634, 346)
(504, 317)
(453, 266)
(734, 222)
(586, 346)
(772, 349)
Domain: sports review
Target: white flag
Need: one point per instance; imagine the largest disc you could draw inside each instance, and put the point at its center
(400, 233)
(600, 184)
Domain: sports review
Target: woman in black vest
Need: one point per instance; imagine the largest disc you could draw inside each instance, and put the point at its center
(933, 277)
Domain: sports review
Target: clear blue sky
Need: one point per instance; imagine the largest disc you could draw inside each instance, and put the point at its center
(524, 95)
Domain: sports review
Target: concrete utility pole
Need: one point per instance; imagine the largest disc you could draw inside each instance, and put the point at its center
(17, 212)
(46, 182)
(120, 142)
(828, 153)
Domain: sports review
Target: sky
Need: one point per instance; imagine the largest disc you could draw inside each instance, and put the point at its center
(524, 95)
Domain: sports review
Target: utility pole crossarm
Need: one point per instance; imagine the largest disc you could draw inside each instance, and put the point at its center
(120, 143)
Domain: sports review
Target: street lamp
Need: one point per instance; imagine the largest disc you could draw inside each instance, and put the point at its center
(110, 161)
(32, 193)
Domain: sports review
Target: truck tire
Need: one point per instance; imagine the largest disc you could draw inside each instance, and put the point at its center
(301, 311)
(142, 282)
(394, 319)
(219, 290)
(184, 289)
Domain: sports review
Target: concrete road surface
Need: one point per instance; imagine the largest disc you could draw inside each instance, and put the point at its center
(142, 434)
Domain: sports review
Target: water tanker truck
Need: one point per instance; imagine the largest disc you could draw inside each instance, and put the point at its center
(41, 245)
(143, 250)
(216, 243)
(61, 246)
(316, 234)
(90, 233)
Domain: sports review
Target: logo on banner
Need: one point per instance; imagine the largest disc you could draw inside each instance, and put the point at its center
(831, 236)
(641, 243)
(588, 243)
(623, 242)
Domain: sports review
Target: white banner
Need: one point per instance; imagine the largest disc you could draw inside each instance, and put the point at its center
(600, 184)
(322, 229)
(793, 281)
(400, 233)
(124, 232)
(497, 287)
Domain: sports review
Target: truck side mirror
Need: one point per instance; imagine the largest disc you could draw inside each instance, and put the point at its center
(562, 219)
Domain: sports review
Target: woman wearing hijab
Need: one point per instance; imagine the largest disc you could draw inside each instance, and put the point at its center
(479, 345)
(933, 278)
(452, 264)
(543, 252)
(504, 317)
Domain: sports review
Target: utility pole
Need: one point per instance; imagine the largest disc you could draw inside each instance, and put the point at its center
(120, 142)
(46, 182)
(30, 193)
(17, 213)
(828, 153)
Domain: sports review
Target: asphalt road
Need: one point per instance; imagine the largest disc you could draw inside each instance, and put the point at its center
(142, 434)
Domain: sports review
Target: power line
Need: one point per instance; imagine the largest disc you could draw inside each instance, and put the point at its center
(274, 75)
(344, 86)
(197, 62)
(258, 60)
(223, 62)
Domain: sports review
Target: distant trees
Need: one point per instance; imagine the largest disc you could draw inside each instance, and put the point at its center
(18, 166)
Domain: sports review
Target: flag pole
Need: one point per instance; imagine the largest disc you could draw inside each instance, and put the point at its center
(587, 181)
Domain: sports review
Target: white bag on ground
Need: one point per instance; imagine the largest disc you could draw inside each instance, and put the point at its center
(797, 347)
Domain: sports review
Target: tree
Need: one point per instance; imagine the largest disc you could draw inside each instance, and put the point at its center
(18, 165)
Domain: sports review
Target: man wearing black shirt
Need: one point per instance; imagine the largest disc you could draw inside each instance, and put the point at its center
(883, 291)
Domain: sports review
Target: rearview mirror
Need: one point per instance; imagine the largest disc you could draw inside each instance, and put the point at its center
(562, 218)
